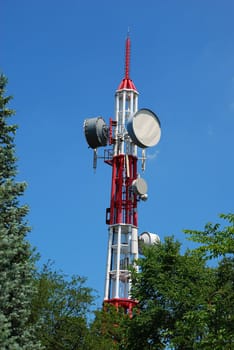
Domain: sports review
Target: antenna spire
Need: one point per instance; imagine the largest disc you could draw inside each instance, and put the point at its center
(127, 83)
(127, 57)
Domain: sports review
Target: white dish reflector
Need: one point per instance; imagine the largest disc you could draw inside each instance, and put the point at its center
(144, 128)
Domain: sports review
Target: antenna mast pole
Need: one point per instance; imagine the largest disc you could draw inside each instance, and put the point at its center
(121, 217)
(131, 128)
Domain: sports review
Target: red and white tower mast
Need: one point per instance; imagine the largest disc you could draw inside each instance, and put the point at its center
(131, 128)
(122, 216)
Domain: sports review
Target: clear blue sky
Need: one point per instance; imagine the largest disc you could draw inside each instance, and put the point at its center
(64, 61)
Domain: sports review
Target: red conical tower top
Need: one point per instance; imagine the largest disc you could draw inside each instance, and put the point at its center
(127, 83)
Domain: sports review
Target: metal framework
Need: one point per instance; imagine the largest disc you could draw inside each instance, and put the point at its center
(131, 128)
(121, 216)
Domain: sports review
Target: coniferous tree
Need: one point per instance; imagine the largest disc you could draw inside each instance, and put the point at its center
(16, 263)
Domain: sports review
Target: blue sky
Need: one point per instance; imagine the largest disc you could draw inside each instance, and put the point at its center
(64, 61)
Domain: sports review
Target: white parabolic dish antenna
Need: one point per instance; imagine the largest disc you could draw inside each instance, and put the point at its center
(144, 128)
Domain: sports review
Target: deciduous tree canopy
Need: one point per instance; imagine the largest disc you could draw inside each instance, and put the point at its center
(62, 308)
(184, 302)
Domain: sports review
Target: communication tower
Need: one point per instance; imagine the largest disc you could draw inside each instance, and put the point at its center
(131, 130)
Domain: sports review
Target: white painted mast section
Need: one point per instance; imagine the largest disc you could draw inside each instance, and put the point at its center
(116, 293)
(108, 264)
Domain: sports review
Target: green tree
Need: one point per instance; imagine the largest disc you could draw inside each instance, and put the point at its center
(186, 301)
(62, 306)
(215, 240)
(173, 292)
(16, 265)
(217, 243)
(109, 329)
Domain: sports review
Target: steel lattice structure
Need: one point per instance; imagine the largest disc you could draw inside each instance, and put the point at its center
(131, 128)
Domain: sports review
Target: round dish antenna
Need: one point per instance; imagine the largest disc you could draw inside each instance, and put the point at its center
(144, 128)
(140, 187)
(96, 132)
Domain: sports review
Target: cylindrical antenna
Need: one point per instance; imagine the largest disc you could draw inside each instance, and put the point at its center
(95, 159)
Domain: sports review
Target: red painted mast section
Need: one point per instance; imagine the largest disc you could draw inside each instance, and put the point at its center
(127, 83)
(127, 58)
(123, 208)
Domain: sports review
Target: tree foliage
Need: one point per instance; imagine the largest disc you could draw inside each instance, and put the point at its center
(109, 329)
(62, 307)
(215, 240)
(184, 302)
(16, 265)
(170, 300)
